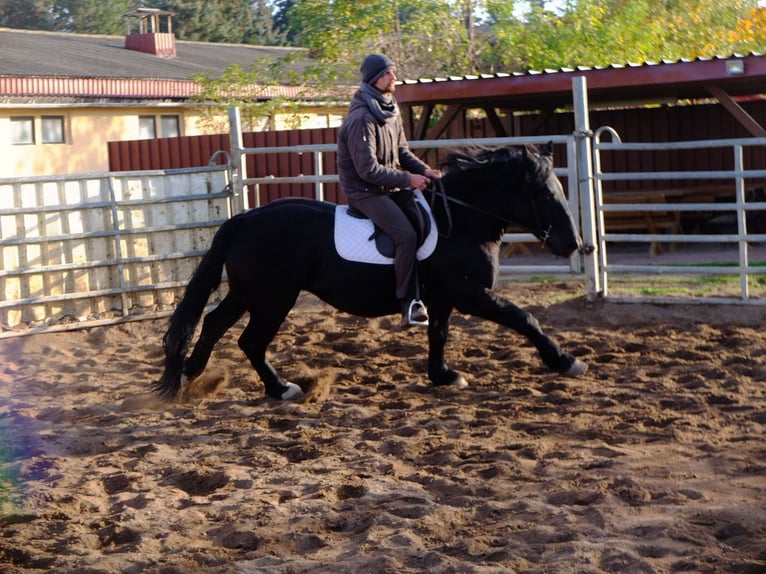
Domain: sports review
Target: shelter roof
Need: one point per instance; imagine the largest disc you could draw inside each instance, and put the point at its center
(722, 78)
(737, 75)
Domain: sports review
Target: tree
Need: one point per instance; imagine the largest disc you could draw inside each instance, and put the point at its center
(423, 37)
(750, 33)
(91, 16)
(263, 30)
(211, 21)
(253, 89)
(281, 9)
(231, 21)
(25, 14)
(603, 32)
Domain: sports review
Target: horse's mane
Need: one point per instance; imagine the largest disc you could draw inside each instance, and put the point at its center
(480, 157)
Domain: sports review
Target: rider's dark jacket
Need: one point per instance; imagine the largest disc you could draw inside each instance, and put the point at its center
(373, 154)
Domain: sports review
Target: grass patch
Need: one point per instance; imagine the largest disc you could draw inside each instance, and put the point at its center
(685, 286)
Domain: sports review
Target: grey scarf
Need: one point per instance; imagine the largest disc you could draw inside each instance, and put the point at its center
(383, 106)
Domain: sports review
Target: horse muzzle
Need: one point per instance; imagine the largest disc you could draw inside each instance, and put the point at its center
(565, 247)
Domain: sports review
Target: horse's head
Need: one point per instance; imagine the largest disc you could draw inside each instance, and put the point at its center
(517, 187)
(540, 205)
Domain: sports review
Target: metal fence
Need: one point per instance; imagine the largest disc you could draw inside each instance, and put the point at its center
(100, 248)
(94, 249)
(566, 172)
(711, 210)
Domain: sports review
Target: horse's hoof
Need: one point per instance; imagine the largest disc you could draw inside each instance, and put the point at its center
(576, 369)
(449, 378)
(293, 393)
(459, 382)
(183, 389)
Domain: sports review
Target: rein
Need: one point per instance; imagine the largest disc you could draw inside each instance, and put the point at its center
(437, 189)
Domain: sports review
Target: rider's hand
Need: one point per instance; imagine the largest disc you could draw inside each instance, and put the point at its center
(419, 181)
(433, 173)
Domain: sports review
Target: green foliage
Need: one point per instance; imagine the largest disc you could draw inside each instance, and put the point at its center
(91, 16)
(231, 21)
(423, 37)
(603, 32)
(256, 91)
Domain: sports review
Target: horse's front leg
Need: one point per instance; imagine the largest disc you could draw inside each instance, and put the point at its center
(481, 302)
(438, 329)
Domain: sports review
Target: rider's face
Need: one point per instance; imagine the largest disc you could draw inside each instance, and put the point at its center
(387, 82)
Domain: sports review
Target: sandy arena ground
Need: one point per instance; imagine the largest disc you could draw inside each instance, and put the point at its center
(653, 462)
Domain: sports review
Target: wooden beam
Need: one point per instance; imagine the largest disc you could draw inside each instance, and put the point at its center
(495, 122)
(542, 117)
(737, 111)
(450, 113)
(406, 112)
(421, 128)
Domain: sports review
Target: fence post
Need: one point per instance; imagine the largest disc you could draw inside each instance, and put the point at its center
(239, 172)
(744, 256)
(583, 144)
(118, 255)
(318, 170)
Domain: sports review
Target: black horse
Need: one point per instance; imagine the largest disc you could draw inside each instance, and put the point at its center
(274, 252)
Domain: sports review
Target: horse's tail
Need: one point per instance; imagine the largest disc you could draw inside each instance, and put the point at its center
(206, 279)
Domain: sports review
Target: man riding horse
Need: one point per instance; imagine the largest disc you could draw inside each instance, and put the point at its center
(374, 164)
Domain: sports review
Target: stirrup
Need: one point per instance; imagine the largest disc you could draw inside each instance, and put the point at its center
(417, 314)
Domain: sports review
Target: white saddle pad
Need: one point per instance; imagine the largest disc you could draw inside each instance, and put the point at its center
(352, 236)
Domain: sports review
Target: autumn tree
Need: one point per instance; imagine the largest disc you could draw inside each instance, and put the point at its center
(750, 32)
(603, 32)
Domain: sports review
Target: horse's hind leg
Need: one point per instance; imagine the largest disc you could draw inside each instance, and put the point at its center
(260, 331)
(215, 324)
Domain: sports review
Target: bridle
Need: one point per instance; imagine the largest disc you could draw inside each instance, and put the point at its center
(436, 189)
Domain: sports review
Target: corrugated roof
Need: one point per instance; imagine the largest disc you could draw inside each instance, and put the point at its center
(546, 89)
(566, 70)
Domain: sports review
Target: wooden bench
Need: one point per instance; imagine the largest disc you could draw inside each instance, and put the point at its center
(652, 222)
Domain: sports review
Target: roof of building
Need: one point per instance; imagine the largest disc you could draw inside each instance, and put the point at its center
(95, 56)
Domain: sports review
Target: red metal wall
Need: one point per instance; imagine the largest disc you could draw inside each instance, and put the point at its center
(290, 164)
(195, 151)
(165, 153)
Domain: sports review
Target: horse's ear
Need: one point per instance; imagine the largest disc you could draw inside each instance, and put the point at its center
(534, 153)
(531, 152)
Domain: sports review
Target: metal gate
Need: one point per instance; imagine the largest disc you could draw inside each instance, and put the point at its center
(717, 217)
(101, 248)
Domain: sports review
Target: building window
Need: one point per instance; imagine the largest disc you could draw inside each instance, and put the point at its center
(52, 129)
(170, 126)
(22, 130)
(147, 127)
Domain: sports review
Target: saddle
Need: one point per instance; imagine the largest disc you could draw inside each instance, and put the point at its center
(416, 214)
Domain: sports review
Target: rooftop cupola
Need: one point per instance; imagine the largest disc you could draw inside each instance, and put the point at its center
(150, 37)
